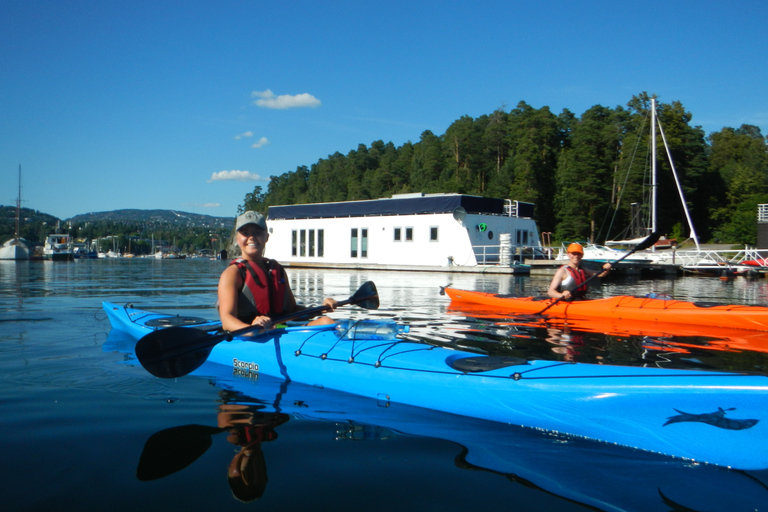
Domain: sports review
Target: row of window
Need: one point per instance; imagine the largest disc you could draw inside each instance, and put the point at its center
(308, 242)
(311, 242)
(397, 234)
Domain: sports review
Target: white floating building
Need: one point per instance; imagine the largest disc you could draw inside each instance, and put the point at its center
(427, 232)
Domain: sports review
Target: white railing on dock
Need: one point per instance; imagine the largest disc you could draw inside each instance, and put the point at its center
(506, 254)
(762, 213)
(686, 258)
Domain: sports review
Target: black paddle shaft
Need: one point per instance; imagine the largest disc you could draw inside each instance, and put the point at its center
(175, 351)
(652, 239)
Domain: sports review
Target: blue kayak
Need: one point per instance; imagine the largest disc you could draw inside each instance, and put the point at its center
(596, 475)
(710, 417)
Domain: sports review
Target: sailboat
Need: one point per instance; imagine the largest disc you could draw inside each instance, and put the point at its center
(15, 248)
(698, 260)
(651, 255)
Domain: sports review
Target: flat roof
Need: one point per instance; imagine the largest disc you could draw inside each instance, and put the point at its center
(403, 205)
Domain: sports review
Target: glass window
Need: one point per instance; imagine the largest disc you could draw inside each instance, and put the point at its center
(364, 243)
(311, 242)
(398, 235)
(433, 234)
(409, 234)
(293, 243)
(353, 243)
(320, 243)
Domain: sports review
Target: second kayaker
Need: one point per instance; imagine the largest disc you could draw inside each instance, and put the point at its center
(569, 280)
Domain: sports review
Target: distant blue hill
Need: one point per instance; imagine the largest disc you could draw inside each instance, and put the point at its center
(173, 217)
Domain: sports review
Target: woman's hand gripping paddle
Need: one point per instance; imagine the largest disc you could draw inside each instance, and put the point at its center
(175, 351)
(652, 239)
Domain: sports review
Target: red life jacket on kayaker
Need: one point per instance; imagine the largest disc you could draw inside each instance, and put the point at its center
(576, 286)
(262, 294)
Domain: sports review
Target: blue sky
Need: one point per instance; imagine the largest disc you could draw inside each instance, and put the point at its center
(188, 105)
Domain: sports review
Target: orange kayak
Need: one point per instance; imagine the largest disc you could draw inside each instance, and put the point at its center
(625, 308)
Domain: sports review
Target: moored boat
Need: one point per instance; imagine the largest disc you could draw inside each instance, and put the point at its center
(15, 248)
(625, 308)
(58, 247)
(713, 417)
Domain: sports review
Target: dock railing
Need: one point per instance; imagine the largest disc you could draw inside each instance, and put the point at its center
(685, 259)
(506, 255)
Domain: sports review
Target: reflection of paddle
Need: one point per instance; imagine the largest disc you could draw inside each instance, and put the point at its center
(176, 351)
(173, 449)
(652, 239)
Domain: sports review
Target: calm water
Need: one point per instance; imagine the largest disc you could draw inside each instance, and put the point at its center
(78, 420)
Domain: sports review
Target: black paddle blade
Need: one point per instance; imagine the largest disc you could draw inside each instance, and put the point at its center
(175, 351)
(366, 296)
(173, 449)
(652, 239)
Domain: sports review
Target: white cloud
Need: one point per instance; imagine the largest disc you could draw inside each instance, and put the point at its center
(262, 142)
(234, 176)
(267, 99)
(244, 135)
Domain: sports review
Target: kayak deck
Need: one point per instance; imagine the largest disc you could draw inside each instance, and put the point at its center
(625, 307)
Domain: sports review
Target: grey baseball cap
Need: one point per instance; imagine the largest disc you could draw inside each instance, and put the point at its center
(251, 218)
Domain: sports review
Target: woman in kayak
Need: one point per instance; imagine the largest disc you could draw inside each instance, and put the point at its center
(253, 289)
(569, 280)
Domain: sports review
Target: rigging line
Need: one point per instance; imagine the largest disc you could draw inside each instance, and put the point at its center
(679, 188)
(629, 166)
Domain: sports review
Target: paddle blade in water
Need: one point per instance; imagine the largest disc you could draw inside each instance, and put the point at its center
(173, 449)
(175, 351)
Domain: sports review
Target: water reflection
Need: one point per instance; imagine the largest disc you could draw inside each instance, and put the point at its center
(591, 474)
(57, 382)
(608, 341)
(247, 427)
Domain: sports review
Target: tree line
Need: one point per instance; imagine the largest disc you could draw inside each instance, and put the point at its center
(589, 176)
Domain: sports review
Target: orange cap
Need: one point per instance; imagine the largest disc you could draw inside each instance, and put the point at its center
(574, 247)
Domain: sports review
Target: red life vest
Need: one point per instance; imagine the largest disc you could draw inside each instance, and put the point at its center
(268, 291)
(579, 276)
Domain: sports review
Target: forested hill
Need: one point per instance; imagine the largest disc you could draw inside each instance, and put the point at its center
(188, 229)
(173, 217)
(583, 173)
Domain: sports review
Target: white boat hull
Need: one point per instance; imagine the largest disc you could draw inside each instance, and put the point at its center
(14, 249)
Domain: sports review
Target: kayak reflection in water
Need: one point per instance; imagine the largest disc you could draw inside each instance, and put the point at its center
(248, 429)
(569, 282)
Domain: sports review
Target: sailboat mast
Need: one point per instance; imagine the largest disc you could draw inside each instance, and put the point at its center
(674, 175)
(653, 165)
(18, 206)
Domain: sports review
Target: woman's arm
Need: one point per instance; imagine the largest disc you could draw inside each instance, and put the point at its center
(554, 286)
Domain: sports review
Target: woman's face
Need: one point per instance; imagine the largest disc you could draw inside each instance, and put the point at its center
(252, 240)
(575, 257)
